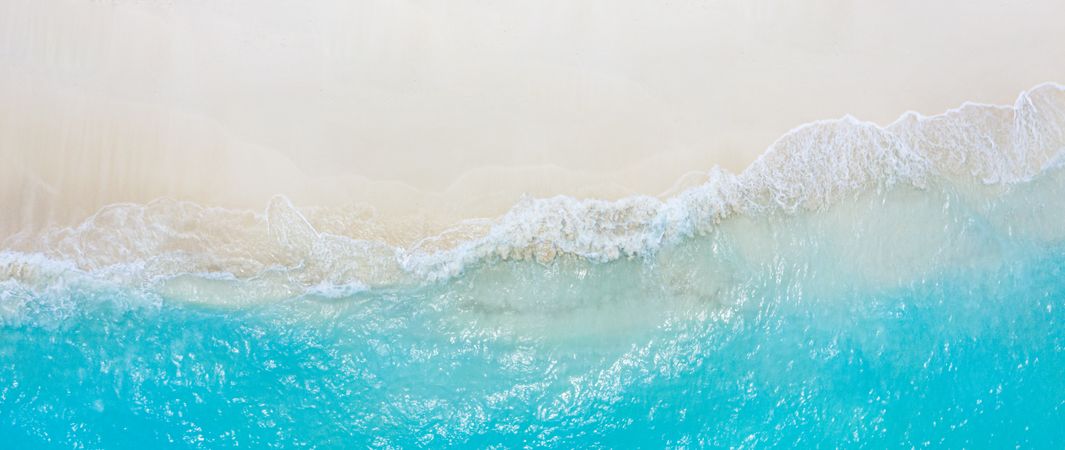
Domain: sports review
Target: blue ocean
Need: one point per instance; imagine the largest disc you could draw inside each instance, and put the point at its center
(859, 286)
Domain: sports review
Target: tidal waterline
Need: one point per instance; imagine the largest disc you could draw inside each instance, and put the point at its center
(398, 224)
(430, 114)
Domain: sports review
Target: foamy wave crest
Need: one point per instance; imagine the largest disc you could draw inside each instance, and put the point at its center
(810, 168)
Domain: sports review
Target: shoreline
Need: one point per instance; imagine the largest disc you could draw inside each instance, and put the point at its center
(433, 114)
(403, 212)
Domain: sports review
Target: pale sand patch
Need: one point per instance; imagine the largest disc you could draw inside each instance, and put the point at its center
(433, 112)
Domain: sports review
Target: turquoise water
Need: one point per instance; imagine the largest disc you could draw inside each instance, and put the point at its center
(858, 286)
(710, 343)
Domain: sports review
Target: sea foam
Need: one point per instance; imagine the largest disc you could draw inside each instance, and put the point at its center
(857, 286)
(973, 148)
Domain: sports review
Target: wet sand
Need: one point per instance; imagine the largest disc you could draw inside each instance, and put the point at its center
(431, 113)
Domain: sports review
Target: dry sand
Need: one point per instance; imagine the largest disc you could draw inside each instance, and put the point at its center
(437, 111)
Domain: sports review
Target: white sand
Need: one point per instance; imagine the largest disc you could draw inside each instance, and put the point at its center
(436, 111)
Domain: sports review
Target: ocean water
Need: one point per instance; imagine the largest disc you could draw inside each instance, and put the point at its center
(858, 286)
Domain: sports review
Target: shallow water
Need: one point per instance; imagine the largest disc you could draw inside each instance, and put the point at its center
(858, 286)
(771, 333)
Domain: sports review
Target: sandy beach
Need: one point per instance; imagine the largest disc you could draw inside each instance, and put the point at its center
(396, 224)
(430, 113)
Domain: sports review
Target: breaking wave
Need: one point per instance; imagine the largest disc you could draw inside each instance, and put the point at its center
(857, 286)
(813, 167)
